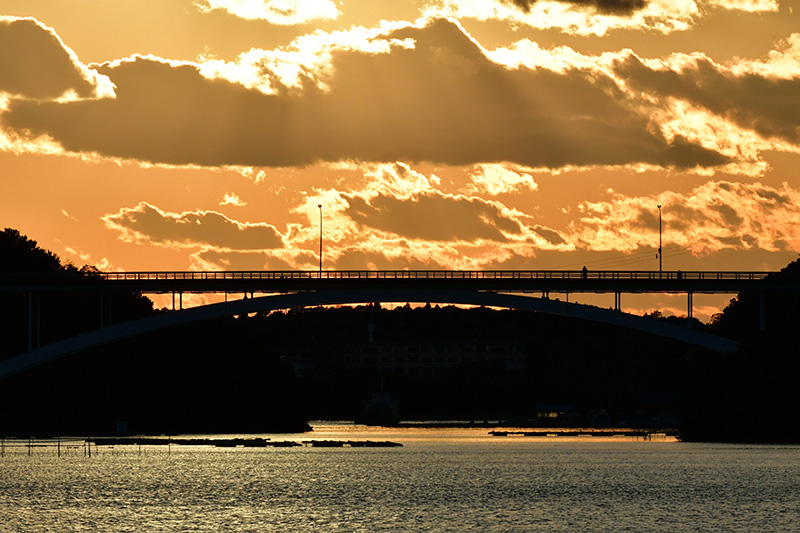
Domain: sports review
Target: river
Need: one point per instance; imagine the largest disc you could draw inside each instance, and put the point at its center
(439, 480)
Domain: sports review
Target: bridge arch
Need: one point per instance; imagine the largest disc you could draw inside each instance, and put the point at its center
(57, 350)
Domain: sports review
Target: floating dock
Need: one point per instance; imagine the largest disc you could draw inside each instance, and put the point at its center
(646, 434)
(256, 442)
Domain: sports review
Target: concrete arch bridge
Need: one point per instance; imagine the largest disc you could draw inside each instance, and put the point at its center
(288, 289)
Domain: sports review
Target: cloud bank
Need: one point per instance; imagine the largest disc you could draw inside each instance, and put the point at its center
(715, 216)
(283, 12)
(191, 229)
(35, 63)
(768, 105)
(618, 7)
(442, 100)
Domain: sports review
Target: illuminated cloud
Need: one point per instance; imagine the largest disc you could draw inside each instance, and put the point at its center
(148, 224)
(433, 217)
(284, 12)
(400, 218)
(750, 6)
(443, 101)
(35, 64)
(597, 17)
(232, 199)
(84, 258)
(618, 7)
(397, 179)
(496, 179)
(214, 259)
(783, 62)
(715, 216)
(582, 17)
(767, 105)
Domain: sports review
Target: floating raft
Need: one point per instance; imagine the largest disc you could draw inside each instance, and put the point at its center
(238, 442)
(643, 433)
(350, 443)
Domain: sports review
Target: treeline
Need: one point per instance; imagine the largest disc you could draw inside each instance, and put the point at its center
(753, 394)
(201, 378)
(47, 317)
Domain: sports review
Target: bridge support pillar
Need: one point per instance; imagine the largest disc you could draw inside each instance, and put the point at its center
(102, 322)
(34, 324)
(617, 301)
(30, 321)
(690, 309)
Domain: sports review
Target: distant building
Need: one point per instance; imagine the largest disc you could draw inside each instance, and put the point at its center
(303, 367)
(429, 359)
(559, 415)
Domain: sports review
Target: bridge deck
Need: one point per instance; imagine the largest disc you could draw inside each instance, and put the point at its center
(277, 281)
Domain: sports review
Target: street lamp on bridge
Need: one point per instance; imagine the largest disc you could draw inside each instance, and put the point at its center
(660, 255)
(320, 237)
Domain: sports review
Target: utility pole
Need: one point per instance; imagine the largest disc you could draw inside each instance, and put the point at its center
(320, 239)
(660, 255)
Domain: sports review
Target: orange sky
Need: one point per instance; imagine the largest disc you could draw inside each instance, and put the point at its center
(520, 134)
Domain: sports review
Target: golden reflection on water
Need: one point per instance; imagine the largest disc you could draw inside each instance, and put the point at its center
(482, 435)
(442, 479)
(411, 435)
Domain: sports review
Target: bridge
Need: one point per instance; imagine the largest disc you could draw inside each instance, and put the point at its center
(286, 289)
(601, 281)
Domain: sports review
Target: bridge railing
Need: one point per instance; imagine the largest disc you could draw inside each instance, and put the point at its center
(433, 274)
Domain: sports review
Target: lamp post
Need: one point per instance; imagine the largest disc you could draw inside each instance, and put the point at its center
(659, 241)
(320, 238)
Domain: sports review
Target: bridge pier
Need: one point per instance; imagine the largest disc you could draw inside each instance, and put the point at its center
(30, 321)
(690, 311)
(617, 301)
(34, 322)
(180, 300)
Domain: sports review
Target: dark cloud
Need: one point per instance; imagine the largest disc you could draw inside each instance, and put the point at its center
(355, 258)
(772, 196)
(681, 216)
(769, 106)
(613, 7)
(237, 260)
(195, 228)
(169, 114)
(549, 235)
(34, 63)
(443, 101)
(433, 217)
(728, 214)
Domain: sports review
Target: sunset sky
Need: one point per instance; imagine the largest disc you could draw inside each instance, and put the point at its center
(467, 134)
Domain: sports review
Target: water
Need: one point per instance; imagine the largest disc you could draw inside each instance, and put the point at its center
(440, 480)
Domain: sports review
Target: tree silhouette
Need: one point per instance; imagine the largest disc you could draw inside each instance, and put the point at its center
(752, 395)
(53, 315)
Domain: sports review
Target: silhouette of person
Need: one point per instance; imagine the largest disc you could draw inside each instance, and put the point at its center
(584, 273)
